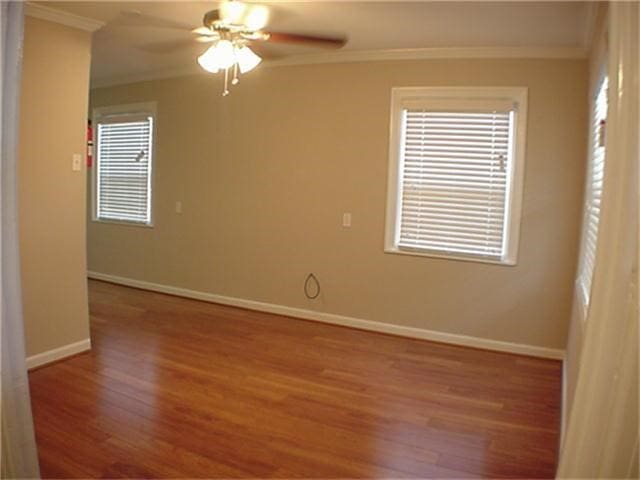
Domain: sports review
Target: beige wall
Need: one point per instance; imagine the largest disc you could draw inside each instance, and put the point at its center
(265, 174)
(51, 196)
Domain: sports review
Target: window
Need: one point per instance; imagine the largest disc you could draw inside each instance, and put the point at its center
(124, 160)
(593, 193)
(455, 172)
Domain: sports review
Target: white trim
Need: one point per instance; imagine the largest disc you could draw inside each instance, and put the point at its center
(430, 54)
(563, 400)
(448, 256)
(400, 330)
(365, 56)
(58, 353)
(64, 18)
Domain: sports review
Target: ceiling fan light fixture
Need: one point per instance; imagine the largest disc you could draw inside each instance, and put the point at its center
(209, 60)
(247, 59)
(257, 17)
(224, 54)
(234, 26)
(229, 54)
(233, 12)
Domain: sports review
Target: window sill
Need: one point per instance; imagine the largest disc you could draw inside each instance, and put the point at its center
(450, 256)
(123, 223)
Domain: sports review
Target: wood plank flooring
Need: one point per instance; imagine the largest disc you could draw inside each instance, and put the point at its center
(179, 388)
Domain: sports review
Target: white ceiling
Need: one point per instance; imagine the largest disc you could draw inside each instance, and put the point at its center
(124, 47)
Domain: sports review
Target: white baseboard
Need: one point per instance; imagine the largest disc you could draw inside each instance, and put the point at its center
(58, 353)
(412, 332)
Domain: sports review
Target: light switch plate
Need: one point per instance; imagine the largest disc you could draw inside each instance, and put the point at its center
(76, 162)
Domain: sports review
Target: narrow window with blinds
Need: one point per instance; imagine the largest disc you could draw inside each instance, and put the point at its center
(593, 192)
(456, 173)
(123, 167)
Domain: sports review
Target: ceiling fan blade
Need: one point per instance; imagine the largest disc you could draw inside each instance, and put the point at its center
(264, 51)
(211, 17)
(206, 39)
(204, 31)
(327, 42)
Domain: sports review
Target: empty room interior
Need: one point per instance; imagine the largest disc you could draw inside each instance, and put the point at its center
(319, 239)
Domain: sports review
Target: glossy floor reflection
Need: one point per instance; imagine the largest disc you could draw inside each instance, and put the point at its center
(179, 388)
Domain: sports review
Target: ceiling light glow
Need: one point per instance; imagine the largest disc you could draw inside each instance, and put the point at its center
(257, 17)
(208, 60)
(225, 54)
(232, 56)
(247, 59)
(232, 12)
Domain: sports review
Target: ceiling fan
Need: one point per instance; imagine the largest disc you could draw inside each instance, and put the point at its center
(236, 26)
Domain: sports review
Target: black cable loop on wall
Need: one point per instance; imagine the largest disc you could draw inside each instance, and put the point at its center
(311, 278)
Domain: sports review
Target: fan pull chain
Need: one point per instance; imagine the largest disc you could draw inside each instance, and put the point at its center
(235, 75)
(225, 92)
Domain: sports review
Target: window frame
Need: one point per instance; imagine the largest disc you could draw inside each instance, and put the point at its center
(513, 207)
(124, 110)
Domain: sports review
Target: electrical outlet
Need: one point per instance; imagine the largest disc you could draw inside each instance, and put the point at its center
(346, 220)
(178, 207)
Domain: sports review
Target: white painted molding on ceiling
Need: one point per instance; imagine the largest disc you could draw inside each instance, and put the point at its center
(399, 330)
(368, 56)
(58, 353)
(58, 16)
(431, 54)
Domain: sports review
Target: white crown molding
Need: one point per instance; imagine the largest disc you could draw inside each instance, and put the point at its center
(367, 56)
(431, 54)
(359, 323)
(58, 16)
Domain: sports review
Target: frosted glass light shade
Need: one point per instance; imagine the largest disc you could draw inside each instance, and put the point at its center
(218, 57)
(208, 60)
(225, 54)
(247, 59)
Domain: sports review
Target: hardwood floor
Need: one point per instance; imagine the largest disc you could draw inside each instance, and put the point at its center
(180, 388)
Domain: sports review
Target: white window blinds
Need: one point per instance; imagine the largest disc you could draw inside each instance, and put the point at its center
(124, 161)
(595, 178)
(455, 172)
